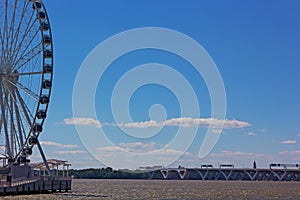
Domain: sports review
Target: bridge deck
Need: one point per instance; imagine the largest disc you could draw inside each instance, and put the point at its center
(245, 174)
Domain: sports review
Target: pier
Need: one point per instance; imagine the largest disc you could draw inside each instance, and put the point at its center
(34, 178)
(36, 185)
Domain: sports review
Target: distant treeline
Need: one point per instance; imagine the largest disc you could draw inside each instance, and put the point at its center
(106, 173)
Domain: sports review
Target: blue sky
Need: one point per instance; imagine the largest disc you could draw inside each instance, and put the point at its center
(255, 45)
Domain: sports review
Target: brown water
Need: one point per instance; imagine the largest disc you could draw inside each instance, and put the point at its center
(159, 189)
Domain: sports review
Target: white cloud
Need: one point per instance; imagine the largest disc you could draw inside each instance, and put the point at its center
(298, 135)
(69, 152)
(83, 122)
(289, 142)
(58, 145)
(177, 122)
(263, 130)
(190, 122)
(251, 134)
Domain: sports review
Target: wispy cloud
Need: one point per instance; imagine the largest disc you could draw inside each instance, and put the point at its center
(289, 142)
(139, 147)
(176, 122)
(263, 130)
(135, 147)
(83, 122)
(251, 134)
(298, 135)
(167, 152)
(297, 152)
(145, 124)
(236, 154)
(69, 152)
(58, 145)
(217, 131)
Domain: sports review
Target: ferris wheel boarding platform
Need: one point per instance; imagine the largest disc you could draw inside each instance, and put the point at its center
(34, 178)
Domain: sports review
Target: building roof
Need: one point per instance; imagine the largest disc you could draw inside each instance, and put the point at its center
(53, 163)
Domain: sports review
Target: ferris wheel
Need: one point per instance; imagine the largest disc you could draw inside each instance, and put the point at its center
(26, 66)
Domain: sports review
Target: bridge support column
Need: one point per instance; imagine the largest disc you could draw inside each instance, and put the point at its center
(181, 173)
(164, 173)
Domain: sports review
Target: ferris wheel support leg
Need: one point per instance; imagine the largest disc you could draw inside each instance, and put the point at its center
(44, 157)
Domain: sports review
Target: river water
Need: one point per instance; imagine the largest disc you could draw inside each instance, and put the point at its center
(168, 190)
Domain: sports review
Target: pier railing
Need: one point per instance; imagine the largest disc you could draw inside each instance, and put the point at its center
(17, 182)
(25, 180)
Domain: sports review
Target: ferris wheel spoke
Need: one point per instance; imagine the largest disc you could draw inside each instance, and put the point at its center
(26, 112)
(29, 73)
(22, 131)
(29, 23)
(5, 100)
(28, 57)
(12, 127)
(2, 33)
(5, 29)
(21, 126)
(4, 122)
(3, 54)
(22, 74)
(26, 90)
(26, 33)
(18, 119)
(33, 36)
(25, 51)
(13, 140)
(17, 144)
(18, 30)
(2, 47)
(12, 27)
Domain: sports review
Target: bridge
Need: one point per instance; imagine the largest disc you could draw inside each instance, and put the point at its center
(228, 173)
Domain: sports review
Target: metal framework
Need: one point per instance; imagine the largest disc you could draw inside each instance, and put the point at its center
(26, 66)
(54, 167)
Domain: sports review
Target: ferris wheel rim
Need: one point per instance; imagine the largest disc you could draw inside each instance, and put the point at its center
(46, 78)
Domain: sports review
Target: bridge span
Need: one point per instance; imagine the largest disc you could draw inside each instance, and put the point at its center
(227, 174)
